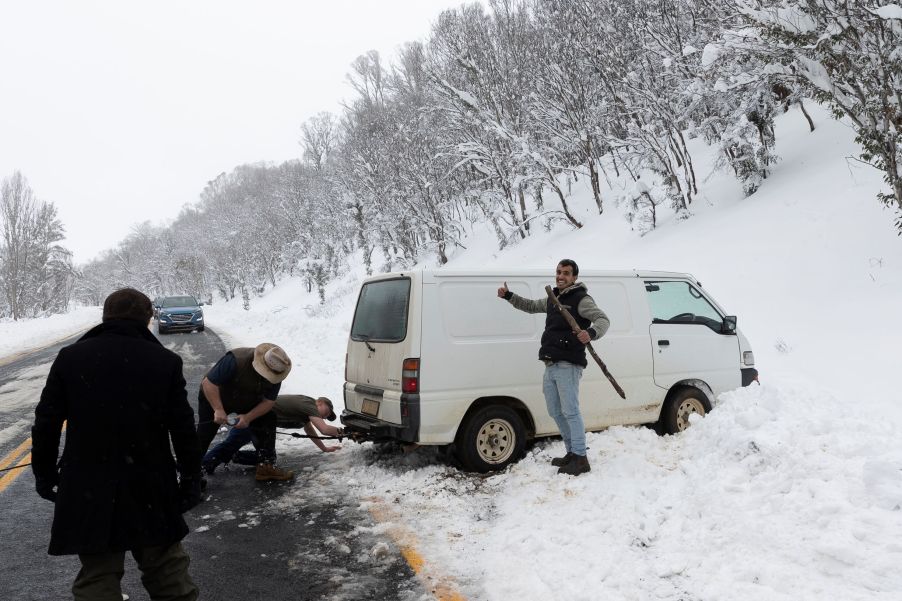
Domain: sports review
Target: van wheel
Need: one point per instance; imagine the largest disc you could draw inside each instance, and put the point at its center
(491, 439)
(680, 406)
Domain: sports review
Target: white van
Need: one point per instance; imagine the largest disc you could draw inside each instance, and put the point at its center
(436, 358)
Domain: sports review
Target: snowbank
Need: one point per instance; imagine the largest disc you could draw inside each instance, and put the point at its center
(789, 490)
(29, 334)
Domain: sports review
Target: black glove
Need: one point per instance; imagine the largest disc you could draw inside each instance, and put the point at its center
(189, 493)
(46, 487)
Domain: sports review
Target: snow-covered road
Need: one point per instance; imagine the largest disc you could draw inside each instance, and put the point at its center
(303, 539)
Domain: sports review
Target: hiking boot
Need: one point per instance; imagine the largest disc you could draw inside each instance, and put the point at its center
(579, 464)
(562, 461)
(267, 472)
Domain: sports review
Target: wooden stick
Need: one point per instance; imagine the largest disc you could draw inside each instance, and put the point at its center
(576, 329)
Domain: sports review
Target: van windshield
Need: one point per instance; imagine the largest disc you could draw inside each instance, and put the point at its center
(381, 314)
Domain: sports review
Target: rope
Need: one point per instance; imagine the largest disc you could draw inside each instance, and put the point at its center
(296, 435)
(15, 467)
(292, 434)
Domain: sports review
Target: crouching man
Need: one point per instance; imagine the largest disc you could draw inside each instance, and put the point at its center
(245, 381)
(292, 411)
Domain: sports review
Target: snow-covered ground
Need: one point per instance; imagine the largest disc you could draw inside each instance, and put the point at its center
(788, 490)
(28, 334)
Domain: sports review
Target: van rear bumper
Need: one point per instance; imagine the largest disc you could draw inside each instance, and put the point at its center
(373, 428)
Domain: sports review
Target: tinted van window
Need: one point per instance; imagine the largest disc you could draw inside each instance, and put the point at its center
(381, 313)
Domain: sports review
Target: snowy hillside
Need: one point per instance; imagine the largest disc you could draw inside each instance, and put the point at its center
(788, 490)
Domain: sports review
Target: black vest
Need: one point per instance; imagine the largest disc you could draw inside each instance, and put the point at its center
(559, 343)
(245, 390)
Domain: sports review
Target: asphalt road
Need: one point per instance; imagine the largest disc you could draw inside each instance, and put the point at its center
(302, 540)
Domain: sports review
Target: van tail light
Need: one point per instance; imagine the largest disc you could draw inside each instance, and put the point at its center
(410, 376)
(346, 367)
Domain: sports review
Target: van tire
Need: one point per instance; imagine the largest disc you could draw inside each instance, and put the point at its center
(680, 404)
(490, 439)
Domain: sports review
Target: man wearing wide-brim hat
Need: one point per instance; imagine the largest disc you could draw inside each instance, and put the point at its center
(245, 381)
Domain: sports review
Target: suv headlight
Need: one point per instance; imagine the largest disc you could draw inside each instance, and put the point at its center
(748, 358)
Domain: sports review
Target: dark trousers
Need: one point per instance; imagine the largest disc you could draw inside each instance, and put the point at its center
(263, 429)
(164, 573)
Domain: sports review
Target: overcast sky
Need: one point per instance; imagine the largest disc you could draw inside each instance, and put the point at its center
(120, 112)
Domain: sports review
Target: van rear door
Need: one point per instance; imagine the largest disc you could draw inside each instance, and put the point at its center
(382, 337)
(686, 338)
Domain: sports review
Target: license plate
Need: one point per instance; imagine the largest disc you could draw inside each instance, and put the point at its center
(371, 407)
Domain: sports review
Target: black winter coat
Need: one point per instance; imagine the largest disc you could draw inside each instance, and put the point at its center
(122, 396)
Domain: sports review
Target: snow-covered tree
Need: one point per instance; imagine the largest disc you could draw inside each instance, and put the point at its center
(850, 55)
(36, 273)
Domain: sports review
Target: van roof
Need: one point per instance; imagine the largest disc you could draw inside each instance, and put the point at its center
(431, 274)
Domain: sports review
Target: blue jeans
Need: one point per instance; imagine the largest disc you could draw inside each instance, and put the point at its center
(561, 388)
(224, 451)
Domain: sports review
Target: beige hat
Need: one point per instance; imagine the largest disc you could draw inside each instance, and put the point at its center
(271, 362)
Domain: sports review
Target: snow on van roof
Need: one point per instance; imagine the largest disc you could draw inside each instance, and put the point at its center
(507, 273)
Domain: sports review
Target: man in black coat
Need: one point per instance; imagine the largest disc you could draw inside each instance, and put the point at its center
(121, 397)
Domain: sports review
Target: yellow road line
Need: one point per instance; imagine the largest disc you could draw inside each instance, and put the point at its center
(443, 588)
(15, 453)
(9, 477)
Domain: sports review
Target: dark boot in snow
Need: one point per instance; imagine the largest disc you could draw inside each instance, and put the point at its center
(246, 458)
(562, 461)
(579, 464)
(211, 464)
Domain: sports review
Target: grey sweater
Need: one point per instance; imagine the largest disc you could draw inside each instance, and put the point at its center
(587, 309)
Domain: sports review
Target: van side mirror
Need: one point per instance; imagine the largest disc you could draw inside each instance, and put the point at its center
(729, 325)
(200, 304)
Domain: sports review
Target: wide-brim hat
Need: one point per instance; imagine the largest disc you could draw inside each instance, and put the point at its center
(271, 362)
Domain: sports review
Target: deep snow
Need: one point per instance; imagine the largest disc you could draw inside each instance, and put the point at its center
(787, 490)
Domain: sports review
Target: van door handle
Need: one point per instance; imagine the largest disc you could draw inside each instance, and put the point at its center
(663, 343)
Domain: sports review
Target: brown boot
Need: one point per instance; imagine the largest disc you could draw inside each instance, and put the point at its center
(562, 461)
(268, 471)
(579, 464)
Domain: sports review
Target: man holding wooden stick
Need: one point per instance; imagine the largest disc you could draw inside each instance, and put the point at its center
(563, 351)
